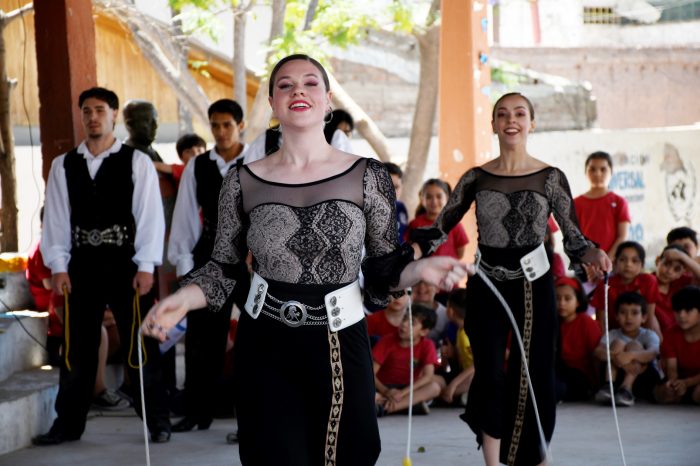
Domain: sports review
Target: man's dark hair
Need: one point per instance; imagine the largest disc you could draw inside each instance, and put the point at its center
(227, 106)
(99, 93)
(337, 116)
(686, 299)
(187, 141)
(425, 315)
(457, 301)
(682, 233)
(393, 169)
(631, 297)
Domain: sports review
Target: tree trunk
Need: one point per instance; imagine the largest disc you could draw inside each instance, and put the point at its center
(239, 74)
(8, 181)
(364, 125)
(184, 117)
(259, 115)
(158, 47)
(423, 117)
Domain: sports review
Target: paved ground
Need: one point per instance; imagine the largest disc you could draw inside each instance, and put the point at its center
(585, 436)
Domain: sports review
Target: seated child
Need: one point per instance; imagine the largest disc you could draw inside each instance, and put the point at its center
(687, 239)
(187, 146)
(424, 293)
(456, 383)
(628, 276)
(392, 362)
(680, 351)
(579, 335)
(671, 276)
(387, 321)
(633, 352)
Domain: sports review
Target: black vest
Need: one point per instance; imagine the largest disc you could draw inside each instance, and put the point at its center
(101, 219)
(209, 181)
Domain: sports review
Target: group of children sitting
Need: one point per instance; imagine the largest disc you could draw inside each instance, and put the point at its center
(653, 319)
(653, 338)
(654, 328)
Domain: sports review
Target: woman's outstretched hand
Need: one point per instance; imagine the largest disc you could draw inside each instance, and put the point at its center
(443, 272)
(596, 262)
(165, 314)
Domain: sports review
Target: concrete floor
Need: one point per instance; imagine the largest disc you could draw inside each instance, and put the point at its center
(585, 436)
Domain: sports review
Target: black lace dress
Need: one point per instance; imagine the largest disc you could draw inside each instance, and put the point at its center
(511, 214)
(305, 395)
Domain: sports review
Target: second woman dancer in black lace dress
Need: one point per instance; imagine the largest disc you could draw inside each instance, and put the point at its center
(514, 195)
(303, 364)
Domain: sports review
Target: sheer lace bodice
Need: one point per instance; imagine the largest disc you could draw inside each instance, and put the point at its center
(512, 211)
(310, 233)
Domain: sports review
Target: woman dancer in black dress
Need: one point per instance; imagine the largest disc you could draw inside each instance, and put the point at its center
(305, 392)
(514, 195)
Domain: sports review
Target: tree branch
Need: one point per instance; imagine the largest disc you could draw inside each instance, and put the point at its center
(7, 18)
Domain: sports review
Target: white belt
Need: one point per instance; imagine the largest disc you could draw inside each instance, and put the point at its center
(533, 265)
(343, 306)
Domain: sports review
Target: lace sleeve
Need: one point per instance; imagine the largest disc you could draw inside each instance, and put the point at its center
(385, 259)
(429, 238)
(218, 278)
(562, 205)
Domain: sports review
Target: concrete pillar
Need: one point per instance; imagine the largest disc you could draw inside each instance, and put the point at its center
(465, 109)
(66, 66)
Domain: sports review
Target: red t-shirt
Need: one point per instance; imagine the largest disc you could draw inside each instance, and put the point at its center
(44, 299)
(378, 325)
(578, 340)
(664, 309)
(177, 171)
(456, 238)
(644, 284)
(394, 359)
(675, 346)
(598, 218)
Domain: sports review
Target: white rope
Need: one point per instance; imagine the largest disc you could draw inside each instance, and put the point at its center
(143, 401)
(516, 332)
(407, 458)
(610, 379)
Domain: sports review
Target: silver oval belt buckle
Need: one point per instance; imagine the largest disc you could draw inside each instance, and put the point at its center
(293, 313)
(500, 273)
(94, 237)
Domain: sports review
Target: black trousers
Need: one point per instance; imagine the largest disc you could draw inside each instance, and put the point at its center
(205, 348)
(305, 395)
(94, 286)
(499, 403)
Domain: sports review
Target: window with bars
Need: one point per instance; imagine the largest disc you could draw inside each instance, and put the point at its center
(600, 15)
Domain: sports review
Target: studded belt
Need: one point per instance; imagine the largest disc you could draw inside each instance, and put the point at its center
(343, 306)
(533, 265)
(115, 235)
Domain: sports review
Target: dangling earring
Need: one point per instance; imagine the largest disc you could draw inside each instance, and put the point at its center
(273, 124)
(330, 116)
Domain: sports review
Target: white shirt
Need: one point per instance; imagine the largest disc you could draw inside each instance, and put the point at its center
(256, 149)
(146, 207)
(187, 227)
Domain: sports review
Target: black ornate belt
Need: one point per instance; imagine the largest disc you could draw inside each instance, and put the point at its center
(117, 235)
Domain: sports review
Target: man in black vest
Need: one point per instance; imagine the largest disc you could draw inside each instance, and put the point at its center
(190, 246)
(102, 238)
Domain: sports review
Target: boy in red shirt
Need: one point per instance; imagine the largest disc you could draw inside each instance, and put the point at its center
(672, 268)
(628, 276)
(680, 351)
(392, 362)
(388, 320)
(188, 147)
